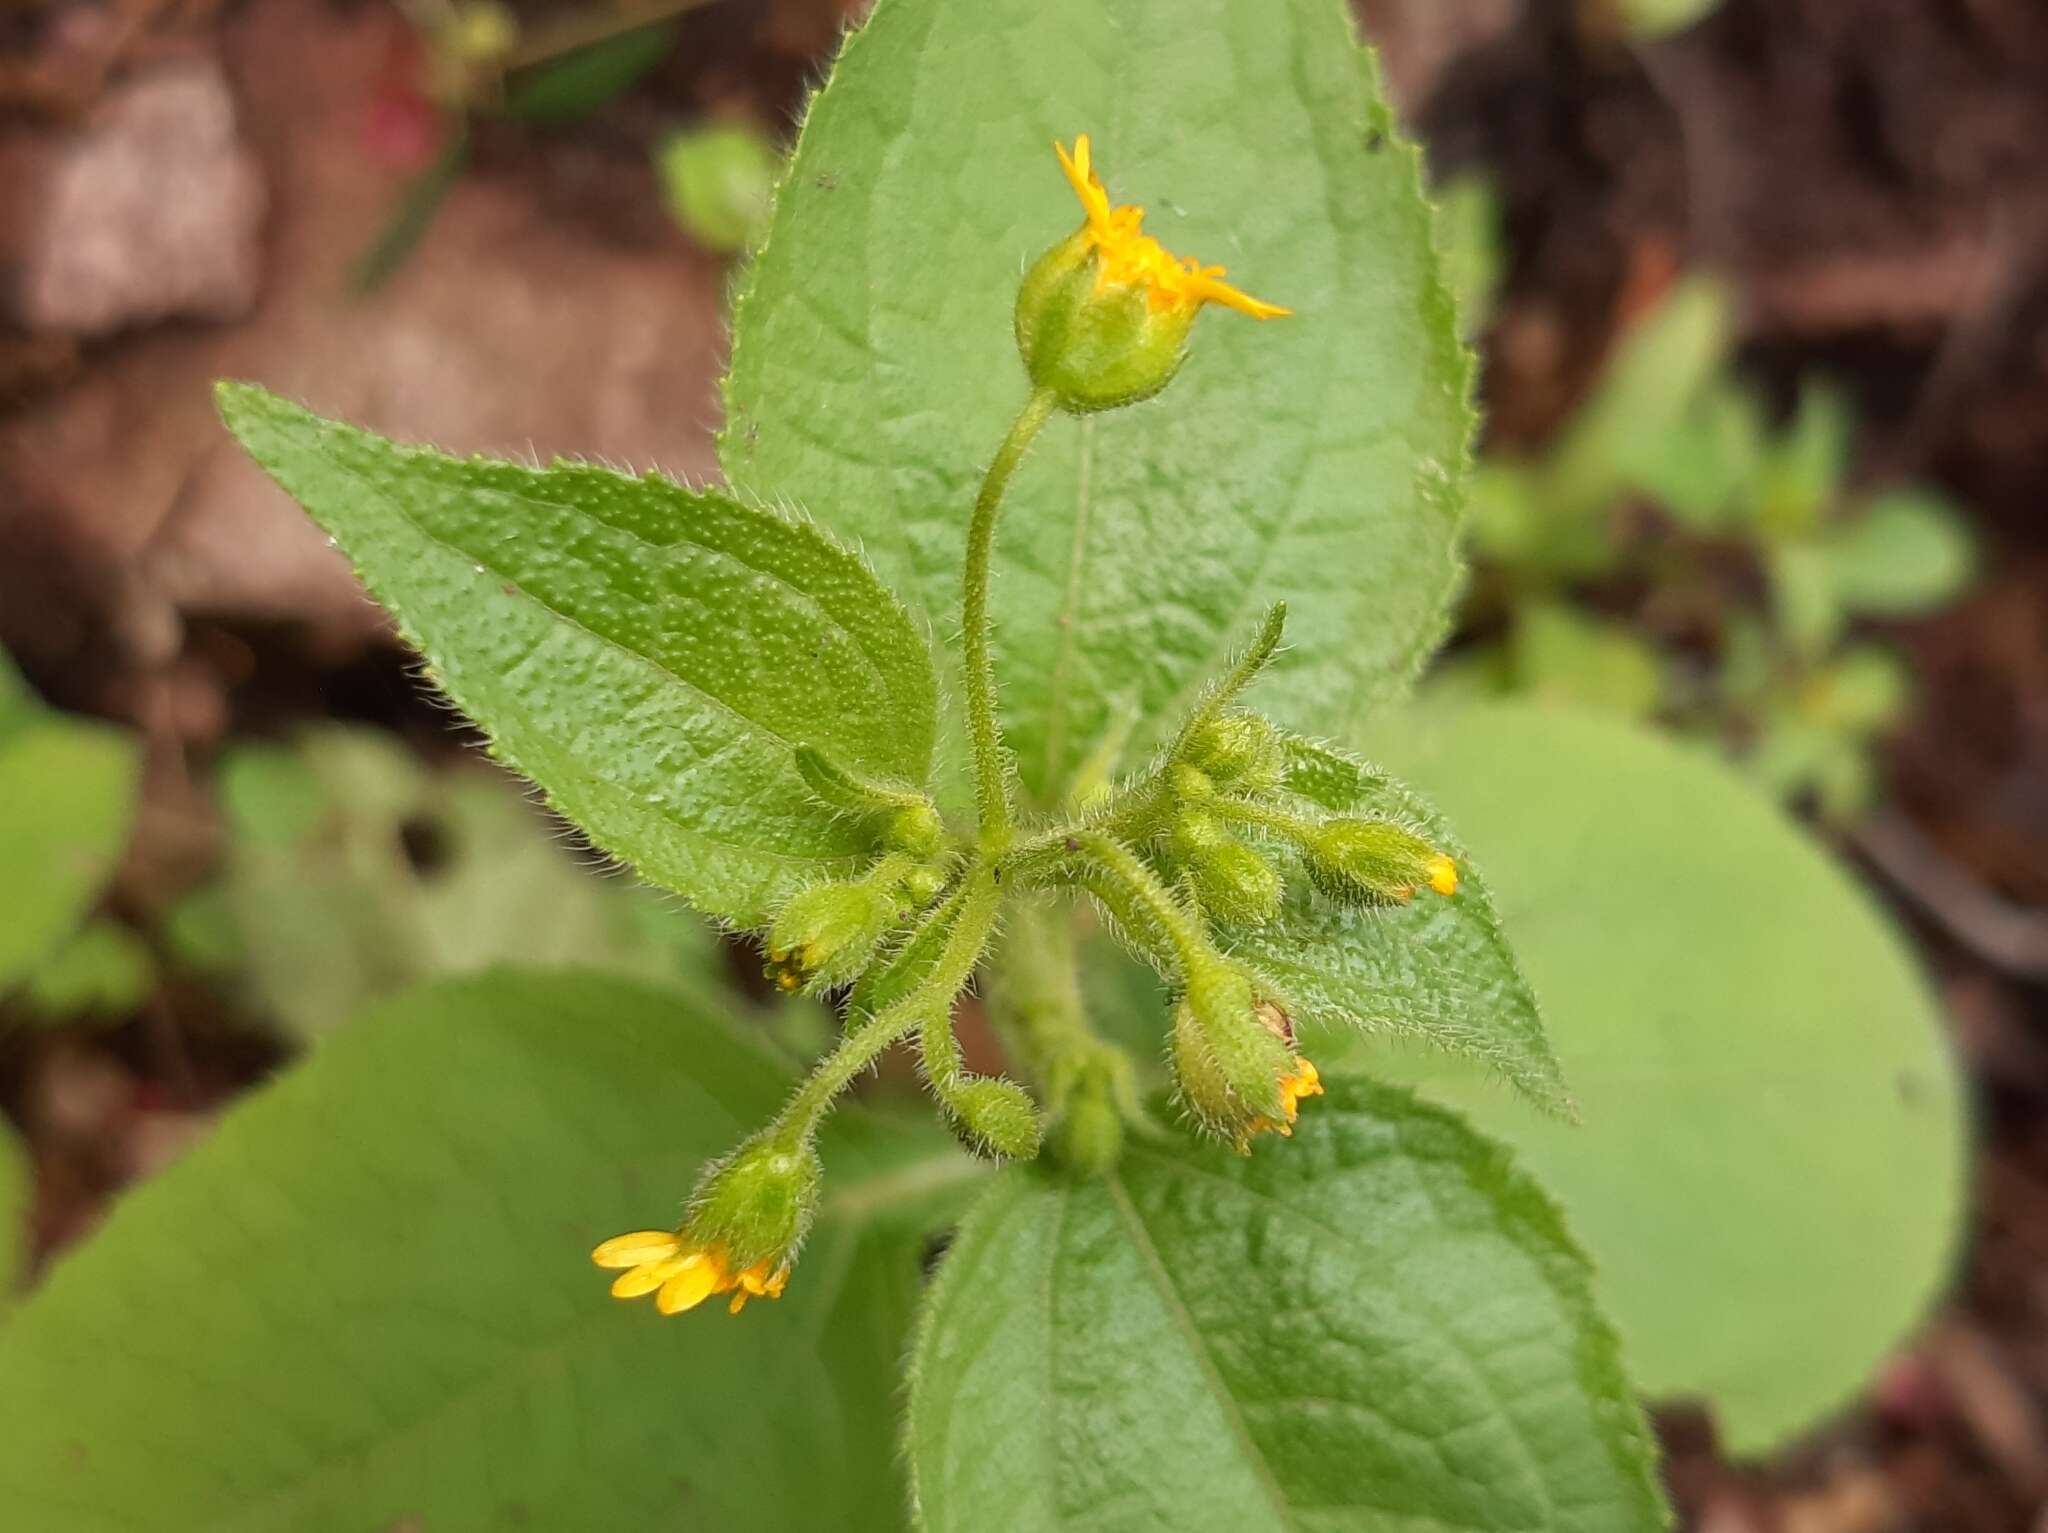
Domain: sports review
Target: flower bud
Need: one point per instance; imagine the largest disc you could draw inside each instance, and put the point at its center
(746, 1220)
(1233, 1054)
(1375, 862)
(1103, 317)
(1234, 884)
(757, 1205)
(1238, 751)
(997, 1115)
(905, 821)
(1095, 345)
(827, 935)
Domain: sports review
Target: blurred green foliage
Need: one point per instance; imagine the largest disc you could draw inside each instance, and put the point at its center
(353, 870)
(1674, 553)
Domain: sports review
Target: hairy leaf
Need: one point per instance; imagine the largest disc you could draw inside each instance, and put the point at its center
(1435, 970)
(649, 654)
(1769, 1174)
(1317, 458)
(367, 1302)
(1378, 1324)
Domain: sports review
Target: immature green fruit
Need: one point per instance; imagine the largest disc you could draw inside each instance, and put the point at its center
(1376, 862)
(1238, 751)
(828, 934)
(756, 1205)
(997, 1116)
(1234, 884)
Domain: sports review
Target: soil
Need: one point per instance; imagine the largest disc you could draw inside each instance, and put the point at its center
(1867, 172)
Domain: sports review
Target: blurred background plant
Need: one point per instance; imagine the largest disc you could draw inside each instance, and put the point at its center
(1675, 553)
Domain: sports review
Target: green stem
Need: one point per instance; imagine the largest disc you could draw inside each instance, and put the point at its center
(871, 1037)
(1276, 822)
(991, 783)
(1143, 906)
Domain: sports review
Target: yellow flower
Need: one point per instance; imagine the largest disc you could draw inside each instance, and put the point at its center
(1304, 1081)
(1443, 875)
(1129, 257)
(682, 1273)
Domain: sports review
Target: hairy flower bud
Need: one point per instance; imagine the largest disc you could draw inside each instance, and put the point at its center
(745, 1222)
(1103, 317)
(758, 1203)
(997, 1115)
(1238, 751)
(828, 934)
(1234, 884)
(1234, 1058)
(1375, 862)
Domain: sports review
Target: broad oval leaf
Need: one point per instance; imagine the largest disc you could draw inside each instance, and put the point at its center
(1378, 1324)
(1769, 1172)
(1317, 458)
(1438, 971)
(649, 654)
(366, 1300)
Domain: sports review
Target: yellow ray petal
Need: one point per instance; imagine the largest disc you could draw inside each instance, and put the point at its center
(634, 1249)
(647, 1278)
(691, 1287)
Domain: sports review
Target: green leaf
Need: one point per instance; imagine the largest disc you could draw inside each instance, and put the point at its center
(1704, 471)
(70, 788)
(718, 183)
(649, 654)
(1474, 242)
(1316, 459)
(104, 970)
(1909, 553)
(1650, 386)
(412, 215)
(15, 1189)
(366, 1300)
(1378, 1324)
(1801, 473)
(1562, 655)
(1651, 19)
(577, 84)
(1769, 1173)
(1435, 970)
(353, 871)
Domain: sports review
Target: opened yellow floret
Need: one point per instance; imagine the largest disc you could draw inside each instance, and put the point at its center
(1129, 257)
(682, 1274)
(1305, 1081)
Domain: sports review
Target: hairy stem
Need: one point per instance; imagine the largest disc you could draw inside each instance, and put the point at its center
(869, 1038)
(991, 783)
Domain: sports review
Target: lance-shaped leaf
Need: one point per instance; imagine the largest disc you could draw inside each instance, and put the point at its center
(651, 655)
(1435, 970)
(1315, 459)
(1379, 1324)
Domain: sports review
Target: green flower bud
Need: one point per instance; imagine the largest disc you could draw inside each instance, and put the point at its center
(1096, 346)
(998, 1116)
(1233, 883)
(1234, 1059)
(904, 821)
(1238, 751)
(1375, 862)
(1103, 317)
(829, 933)
(756, 1205)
